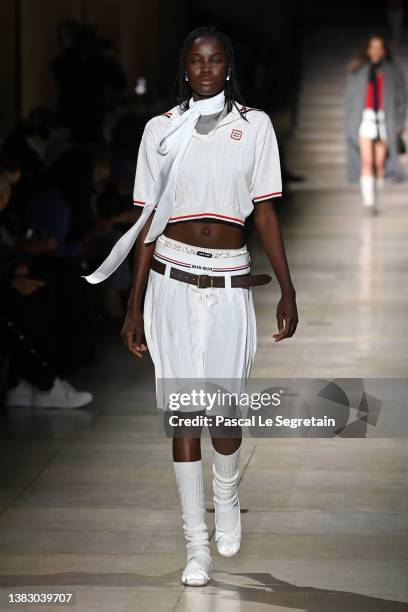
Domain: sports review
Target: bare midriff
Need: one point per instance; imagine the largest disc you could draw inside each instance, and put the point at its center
(210, 234)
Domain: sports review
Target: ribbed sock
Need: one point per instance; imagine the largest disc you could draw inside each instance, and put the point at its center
(367, 186)
(379, 183)
(225, 487)
(189, 476)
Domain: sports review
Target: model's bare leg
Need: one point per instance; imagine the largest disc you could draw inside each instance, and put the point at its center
(226, 446)
(186, 449)
(367, 179)
(380, 153)
(189, 475)
(226, 452)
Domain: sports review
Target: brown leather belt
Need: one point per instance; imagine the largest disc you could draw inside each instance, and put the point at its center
(202, 281)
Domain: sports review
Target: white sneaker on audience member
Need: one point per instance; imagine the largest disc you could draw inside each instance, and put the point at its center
(21, 395)
(61, 395)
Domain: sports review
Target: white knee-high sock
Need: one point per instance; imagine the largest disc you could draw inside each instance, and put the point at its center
(379, 183)
(225, 486)
(367, 186)
(189, 476)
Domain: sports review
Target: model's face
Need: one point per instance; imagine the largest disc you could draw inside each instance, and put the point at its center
(375, 50)
(206, 65)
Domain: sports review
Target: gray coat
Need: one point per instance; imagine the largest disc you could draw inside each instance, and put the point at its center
(395, 107)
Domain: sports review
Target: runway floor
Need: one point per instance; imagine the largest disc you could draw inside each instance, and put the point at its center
(88, 497)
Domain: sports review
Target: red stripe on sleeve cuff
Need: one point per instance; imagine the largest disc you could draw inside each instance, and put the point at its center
(141, 203)
(267, 196)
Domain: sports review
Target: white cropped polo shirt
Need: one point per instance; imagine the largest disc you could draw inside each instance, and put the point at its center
(223, 174)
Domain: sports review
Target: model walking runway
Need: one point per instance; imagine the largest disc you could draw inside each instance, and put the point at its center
(197, 182)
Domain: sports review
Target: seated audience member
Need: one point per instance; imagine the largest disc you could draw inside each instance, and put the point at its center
(32, 379)
(64, 302)
(116, 214)
(61, 209)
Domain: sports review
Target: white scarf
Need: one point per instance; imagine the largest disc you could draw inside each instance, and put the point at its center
(173, 144)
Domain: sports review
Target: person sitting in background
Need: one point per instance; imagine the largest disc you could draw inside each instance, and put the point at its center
(115, 217)
(13, 215)
(28, 142)
(62, 299)
(61, 209)
(32, 378)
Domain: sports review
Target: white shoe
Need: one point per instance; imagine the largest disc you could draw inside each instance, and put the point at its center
(197, 571)
(61, 395)
(371, 211)
(21, 395)
(228, 541)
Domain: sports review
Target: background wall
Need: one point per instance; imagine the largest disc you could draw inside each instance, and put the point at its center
(147, 36)
(9, 68)
(38, 22)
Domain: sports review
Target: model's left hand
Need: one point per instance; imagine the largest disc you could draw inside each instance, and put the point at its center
(287, 317)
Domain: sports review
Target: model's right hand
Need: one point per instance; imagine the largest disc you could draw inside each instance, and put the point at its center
(133, 333)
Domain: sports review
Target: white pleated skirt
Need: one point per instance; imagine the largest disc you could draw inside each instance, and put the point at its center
(194, 333)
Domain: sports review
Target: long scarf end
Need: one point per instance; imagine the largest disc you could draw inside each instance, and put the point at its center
(94, 278)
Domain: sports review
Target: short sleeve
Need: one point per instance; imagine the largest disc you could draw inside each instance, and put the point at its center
(267, 180)
(147, 169)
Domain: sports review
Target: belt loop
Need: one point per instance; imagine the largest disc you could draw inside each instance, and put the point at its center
(227, 281)
(167, 271)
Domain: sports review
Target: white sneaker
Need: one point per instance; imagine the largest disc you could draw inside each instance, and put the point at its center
(61, 395)
(371, 211)
(21, 395)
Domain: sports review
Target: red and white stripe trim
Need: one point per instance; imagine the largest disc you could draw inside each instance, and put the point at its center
(169, 260)
(208, 215)
(267, 196)
(203, 215)
(141, 203)
(184, 264)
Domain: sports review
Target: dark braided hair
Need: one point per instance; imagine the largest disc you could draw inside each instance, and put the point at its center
(231, 90)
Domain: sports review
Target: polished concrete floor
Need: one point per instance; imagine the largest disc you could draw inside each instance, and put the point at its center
(88, 497)
(88, 502)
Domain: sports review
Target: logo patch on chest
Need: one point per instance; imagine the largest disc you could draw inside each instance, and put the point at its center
(204, 254)
(236, 134)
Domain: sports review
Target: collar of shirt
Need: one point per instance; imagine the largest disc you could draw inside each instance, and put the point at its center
(233, 115)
